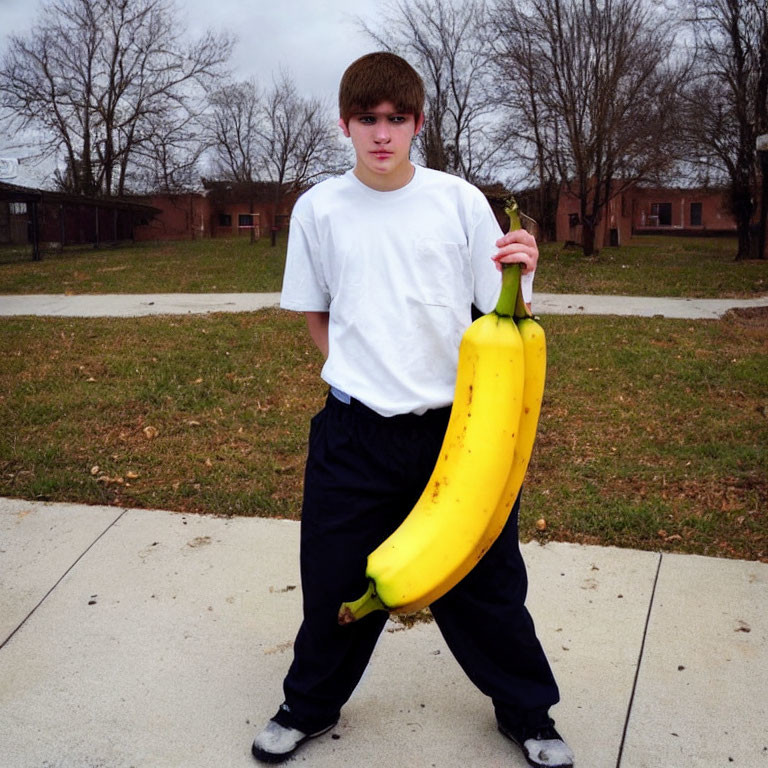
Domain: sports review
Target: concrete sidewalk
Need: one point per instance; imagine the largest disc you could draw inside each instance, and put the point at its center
(135, 305)
(150, 639)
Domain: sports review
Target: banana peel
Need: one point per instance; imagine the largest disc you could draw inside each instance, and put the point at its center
(481, 465)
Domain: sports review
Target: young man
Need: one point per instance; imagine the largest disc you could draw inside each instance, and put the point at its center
(386, 262)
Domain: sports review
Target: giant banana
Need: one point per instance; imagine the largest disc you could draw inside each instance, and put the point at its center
(481, 465)
(535, 371)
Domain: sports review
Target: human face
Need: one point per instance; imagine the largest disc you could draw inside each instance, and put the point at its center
(382, 140)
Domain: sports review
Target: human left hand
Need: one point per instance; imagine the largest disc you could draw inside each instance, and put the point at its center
(517, 247)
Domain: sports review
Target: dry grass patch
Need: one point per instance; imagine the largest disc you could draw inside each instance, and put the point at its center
(698, 267)
(653, 432)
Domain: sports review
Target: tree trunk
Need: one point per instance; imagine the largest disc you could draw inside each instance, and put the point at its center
(743, 208)
(588, 235)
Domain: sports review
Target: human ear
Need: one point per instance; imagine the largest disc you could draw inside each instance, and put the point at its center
(419, 124)
(343, 127)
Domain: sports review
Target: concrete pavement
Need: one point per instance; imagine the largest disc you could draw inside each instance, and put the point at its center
(151, 639)
(134, 305)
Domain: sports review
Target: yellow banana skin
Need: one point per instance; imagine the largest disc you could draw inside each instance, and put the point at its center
(535, 372)
(444, 535)
(467, 501)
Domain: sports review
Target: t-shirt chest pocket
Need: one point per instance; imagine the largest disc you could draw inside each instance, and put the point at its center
(440, 273)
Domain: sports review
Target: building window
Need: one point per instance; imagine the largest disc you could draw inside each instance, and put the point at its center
(573, 220)
(17, 209)
(225, 220)
(245, 220)
(695, 214)
(661, 214)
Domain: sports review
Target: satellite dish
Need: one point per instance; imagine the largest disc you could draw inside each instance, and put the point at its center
(8, 167)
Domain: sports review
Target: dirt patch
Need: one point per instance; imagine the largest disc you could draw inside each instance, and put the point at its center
(407, 620)
(752, 317)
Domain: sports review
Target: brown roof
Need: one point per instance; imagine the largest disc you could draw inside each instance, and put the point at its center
(237, 191)
(16, 194)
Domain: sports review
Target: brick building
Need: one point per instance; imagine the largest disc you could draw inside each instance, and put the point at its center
(44, 219)
(181, 216)
(641, 210)
(223, 209)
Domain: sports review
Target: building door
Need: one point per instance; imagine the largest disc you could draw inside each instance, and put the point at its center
(695, 214)
(664, 213)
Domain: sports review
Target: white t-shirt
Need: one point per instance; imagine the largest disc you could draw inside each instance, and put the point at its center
(398, 272)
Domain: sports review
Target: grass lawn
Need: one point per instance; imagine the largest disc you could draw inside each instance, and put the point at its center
(653, 432)
(654, 266)
(190, 266)
(647, 266)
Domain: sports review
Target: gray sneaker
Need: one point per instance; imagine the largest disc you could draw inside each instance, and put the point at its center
(277, 743)
(542, 746)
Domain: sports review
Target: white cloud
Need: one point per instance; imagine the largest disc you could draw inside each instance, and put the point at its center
(314, 40)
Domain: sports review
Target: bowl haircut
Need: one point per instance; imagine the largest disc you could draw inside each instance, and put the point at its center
(378, 77)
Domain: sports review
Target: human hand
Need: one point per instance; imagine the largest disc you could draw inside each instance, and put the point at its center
(517, 247)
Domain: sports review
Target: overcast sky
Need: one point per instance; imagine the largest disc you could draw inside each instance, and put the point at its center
(314, 39)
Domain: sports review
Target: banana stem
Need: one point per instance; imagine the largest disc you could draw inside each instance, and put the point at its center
(518, 308)
(521, 308)
(506, 306)
(356, 609)
(513, 211)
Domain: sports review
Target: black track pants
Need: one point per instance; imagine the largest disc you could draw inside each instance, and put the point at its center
(364, 473)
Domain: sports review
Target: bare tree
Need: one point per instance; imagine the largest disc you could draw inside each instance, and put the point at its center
(445, 41)
(527, 125)
(595, 98)
(100, 76)
(297, 138)
(275, 135)
(233, 125)
(726, 104)
(170, 161)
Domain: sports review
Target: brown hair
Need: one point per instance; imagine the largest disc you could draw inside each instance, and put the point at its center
(378, 77)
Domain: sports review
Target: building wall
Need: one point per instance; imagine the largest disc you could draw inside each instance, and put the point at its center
(638, 211)
(67, 223)
(182, 217)
(237, 220)
(232, 218)
(615, 226)
(64, 223)
(191, 216)
(648, 205)
(12, 228)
